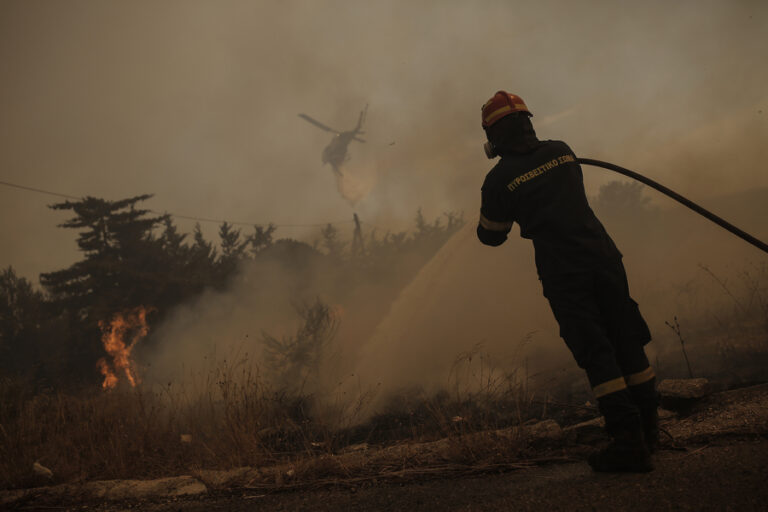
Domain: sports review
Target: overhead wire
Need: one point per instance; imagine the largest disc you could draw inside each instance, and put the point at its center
(38, 190)
(179, 216)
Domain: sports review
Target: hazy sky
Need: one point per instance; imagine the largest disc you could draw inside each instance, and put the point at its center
(197, 103)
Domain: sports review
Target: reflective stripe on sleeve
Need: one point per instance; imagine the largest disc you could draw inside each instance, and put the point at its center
(640, 377)
(609, 387)
(493, 225)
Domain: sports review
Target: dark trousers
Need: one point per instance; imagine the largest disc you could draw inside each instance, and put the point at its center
(606, 333)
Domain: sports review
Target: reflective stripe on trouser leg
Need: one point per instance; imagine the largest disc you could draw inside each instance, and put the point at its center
(638, 378)
(609, 387)
(616, 406)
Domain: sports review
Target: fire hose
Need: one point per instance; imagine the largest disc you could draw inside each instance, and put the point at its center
(680, 199)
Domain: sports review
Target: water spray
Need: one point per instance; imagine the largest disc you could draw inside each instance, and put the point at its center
(680, 199)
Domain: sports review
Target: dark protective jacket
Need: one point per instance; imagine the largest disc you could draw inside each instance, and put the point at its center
(543, 191)
(541, 188)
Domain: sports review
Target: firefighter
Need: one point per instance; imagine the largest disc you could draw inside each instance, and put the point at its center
(539, 185)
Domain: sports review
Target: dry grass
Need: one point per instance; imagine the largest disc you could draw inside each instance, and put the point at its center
(236, 420)
(137, 433)
(232, 417)
(725, 329)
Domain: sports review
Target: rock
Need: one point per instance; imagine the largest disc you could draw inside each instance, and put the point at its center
(112, 490)
(221, 479)
(137, 489)
(738, 412)
(544, 430)
(664, 414)
(594, 423)
(41, 470)
(684, 388)
(587, 432)
(360, 447)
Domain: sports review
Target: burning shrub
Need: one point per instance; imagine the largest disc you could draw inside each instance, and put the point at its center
(123, 326)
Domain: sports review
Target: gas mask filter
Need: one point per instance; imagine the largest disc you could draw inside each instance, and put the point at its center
(490, 150)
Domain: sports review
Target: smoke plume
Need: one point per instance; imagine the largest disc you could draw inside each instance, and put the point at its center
(196, 102)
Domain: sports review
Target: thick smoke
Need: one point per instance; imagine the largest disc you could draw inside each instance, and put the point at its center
(196, 102)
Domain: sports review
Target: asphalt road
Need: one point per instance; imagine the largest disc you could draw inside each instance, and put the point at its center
(730, 474)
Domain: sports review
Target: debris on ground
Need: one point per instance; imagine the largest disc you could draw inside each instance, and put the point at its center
(41, 470)
(725, 415)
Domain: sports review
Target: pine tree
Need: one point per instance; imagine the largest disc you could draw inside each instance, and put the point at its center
(261, 238)
(202, 258)
(119, 270)
(232, 248)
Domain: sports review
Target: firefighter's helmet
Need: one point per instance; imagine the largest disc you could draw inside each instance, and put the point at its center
(501, 105)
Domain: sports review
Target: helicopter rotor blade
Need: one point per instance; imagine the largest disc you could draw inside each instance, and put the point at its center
(361, 119)
(358, 139)
(318, 123)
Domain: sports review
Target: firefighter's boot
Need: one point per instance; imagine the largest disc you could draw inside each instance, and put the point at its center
(646, 399)
(627, 453)
(650, 420)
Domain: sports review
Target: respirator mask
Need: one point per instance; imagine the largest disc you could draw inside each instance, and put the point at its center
(490, 150)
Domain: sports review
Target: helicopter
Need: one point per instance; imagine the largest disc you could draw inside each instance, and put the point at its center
(335, 153)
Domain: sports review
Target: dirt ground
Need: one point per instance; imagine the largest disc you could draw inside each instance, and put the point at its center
(728, 474)
(716, 459)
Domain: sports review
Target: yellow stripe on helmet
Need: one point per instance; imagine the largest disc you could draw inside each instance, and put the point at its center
(496, 113)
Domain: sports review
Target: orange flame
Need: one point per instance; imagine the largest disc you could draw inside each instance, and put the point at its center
(110, 379)
(131, 324)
